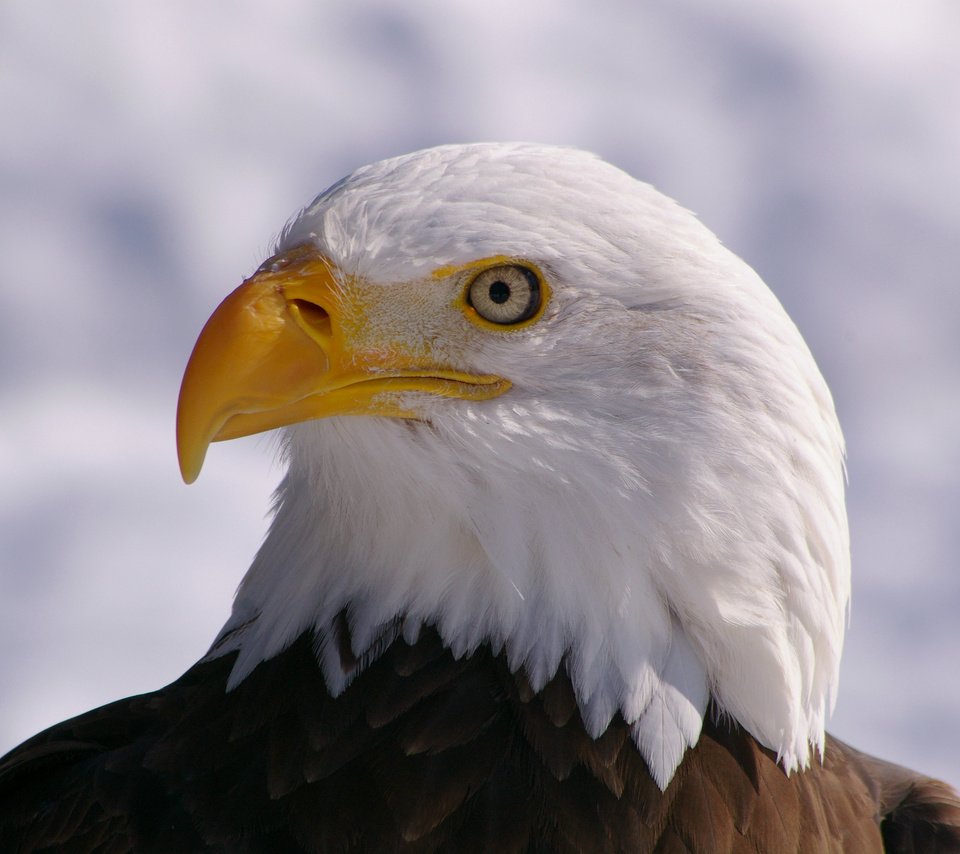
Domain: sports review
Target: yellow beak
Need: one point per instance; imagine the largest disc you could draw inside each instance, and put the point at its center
(278, 350)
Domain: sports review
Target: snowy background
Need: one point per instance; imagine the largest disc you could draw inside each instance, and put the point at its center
(150, 152)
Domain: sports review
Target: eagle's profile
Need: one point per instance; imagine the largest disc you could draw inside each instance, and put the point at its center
(559, 562)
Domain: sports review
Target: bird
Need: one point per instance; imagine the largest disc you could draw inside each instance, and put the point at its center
(559, 560)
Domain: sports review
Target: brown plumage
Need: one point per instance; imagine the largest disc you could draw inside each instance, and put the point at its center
(424, 752)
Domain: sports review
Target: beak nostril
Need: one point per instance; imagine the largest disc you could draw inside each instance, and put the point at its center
(314, 318)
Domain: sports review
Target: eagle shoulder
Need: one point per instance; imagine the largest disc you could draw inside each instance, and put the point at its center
(427, 752)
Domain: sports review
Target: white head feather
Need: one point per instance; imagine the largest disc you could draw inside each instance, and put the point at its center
(656, 504)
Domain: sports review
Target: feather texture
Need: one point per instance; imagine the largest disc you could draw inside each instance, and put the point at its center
(657, 501)
(427, 752)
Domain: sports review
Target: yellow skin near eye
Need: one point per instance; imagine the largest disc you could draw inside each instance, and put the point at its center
(468, 272)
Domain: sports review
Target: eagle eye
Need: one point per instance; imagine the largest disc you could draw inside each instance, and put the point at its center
(505, 294)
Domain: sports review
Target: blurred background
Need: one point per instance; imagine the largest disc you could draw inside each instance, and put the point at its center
(150, 153)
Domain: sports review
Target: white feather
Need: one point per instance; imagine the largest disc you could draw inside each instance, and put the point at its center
(656, 504)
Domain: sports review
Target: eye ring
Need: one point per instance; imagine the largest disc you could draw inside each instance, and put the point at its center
(506, 294)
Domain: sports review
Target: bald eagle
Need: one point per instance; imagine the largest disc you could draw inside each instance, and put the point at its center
(559, 561)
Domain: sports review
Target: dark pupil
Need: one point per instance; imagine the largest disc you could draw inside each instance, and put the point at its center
(499, 292)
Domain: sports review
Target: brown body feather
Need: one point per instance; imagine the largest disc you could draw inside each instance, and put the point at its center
(427, 753)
